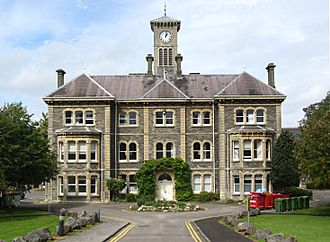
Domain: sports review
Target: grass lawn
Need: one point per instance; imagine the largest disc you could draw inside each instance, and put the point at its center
(322, 209)
(305, 228)
(20, 223)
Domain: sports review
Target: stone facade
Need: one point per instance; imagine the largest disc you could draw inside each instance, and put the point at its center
(100, 128)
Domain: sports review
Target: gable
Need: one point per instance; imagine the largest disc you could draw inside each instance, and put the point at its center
(165, 89)
(246, 84)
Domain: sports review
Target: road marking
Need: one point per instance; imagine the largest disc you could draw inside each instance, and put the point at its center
(122, 233)
(192, 232)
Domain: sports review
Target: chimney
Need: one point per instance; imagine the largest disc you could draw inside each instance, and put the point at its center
(271, 74)
(60, 77)
(149, 59)
(178, 60)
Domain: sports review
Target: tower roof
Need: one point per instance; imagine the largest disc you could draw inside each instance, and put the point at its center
(165, 20)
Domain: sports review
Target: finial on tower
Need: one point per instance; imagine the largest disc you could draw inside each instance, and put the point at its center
(165, 8)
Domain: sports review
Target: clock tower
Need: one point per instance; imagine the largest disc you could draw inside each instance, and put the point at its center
(166, 45)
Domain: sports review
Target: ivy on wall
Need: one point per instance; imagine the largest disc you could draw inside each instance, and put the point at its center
(146, 178)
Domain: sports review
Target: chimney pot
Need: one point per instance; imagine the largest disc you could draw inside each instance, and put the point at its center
(60, 77)
(271, 74)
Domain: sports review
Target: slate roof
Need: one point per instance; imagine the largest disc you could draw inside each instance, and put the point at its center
(165, 19)
(195, 86)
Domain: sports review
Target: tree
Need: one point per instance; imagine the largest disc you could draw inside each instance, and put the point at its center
(26, 158)
(284, 167)
(313, 147)
(115, 185)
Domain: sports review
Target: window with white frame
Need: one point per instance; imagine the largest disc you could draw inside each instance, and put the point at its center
(159, 150)
(247, 184)
(164, 118)
(93, 185)
(197, 151)
(61, 151)
(60, 185)
(260, 116)
(207, 183)
(236, 184)
(257, 150)
(249, 116)
(79, 115)
(166, 150)
(197, 183)
(206, 151)
(68, 117)
(169, 150)
(268, 149)
(89, 118)
(71, 151)
(132, 184)
(257, 182)
(122, 152)
(122, 118)
(196, 118)
(71, 185)
(235, 150)
(206, 118)
(81, 185)
(132, 152)
(201, 118)
(82, 151)
(93, 151)
(132, 118)
(247, 154)
(239, 116)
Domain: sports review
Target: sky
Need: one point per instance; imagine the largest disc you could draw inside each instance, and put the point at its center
(111, 37)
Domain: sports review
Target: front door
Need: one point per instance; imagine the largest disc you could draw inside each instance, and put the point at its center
(165, 188)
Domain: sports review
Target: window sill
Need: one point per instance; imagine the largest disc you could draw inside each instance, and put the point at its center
(128, 161)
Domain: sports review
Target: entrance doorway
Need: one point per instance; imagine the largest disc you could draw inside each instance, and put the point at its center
(165, 187)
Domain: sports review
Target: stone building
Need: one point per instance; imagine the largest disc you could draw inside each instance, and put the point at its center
(222, 125)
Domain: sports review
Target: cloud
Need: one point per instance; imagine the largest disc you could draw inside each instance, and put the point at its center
(113, 37)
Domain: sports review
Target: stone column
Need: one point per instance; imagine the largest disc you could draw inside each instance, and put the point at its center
(263, 148)
(88, 186)
(253, 183)
(65, 148)
(88, 154)
(264, 181)
(241, 184)
(278, 120)
(222, 157)
(65, 186)
(241, 153)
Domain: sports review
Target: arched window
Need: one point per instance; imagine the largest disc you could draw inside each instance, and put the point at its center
(132, 151)
(165, 57)
(164, 177)
(207, 151)
(122, 151)
(169, 150)
(170, 57)
(159, 151)
(197, 151)
(160, 57)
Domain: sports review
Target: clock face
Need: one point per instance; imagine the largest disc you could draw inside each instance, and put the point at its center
(165, 36)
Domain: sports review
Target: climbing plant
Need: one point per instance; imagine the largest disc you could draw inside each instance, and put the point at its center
(146, 178)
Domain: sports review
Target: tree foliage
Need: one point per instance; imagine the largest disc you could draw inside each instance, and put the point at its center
(313, 147)
(24, 150)
(115, 185)
(146, 178)
(284, 167)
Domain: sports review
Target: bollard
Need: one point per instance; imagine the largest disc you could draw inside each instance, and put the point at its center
(60, 230)
(99, 215)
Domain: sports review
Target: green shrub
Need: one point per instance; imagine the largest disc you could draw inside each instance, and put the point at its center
(140, 201)
(130, 197)
(298, 192)
(207, 196)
